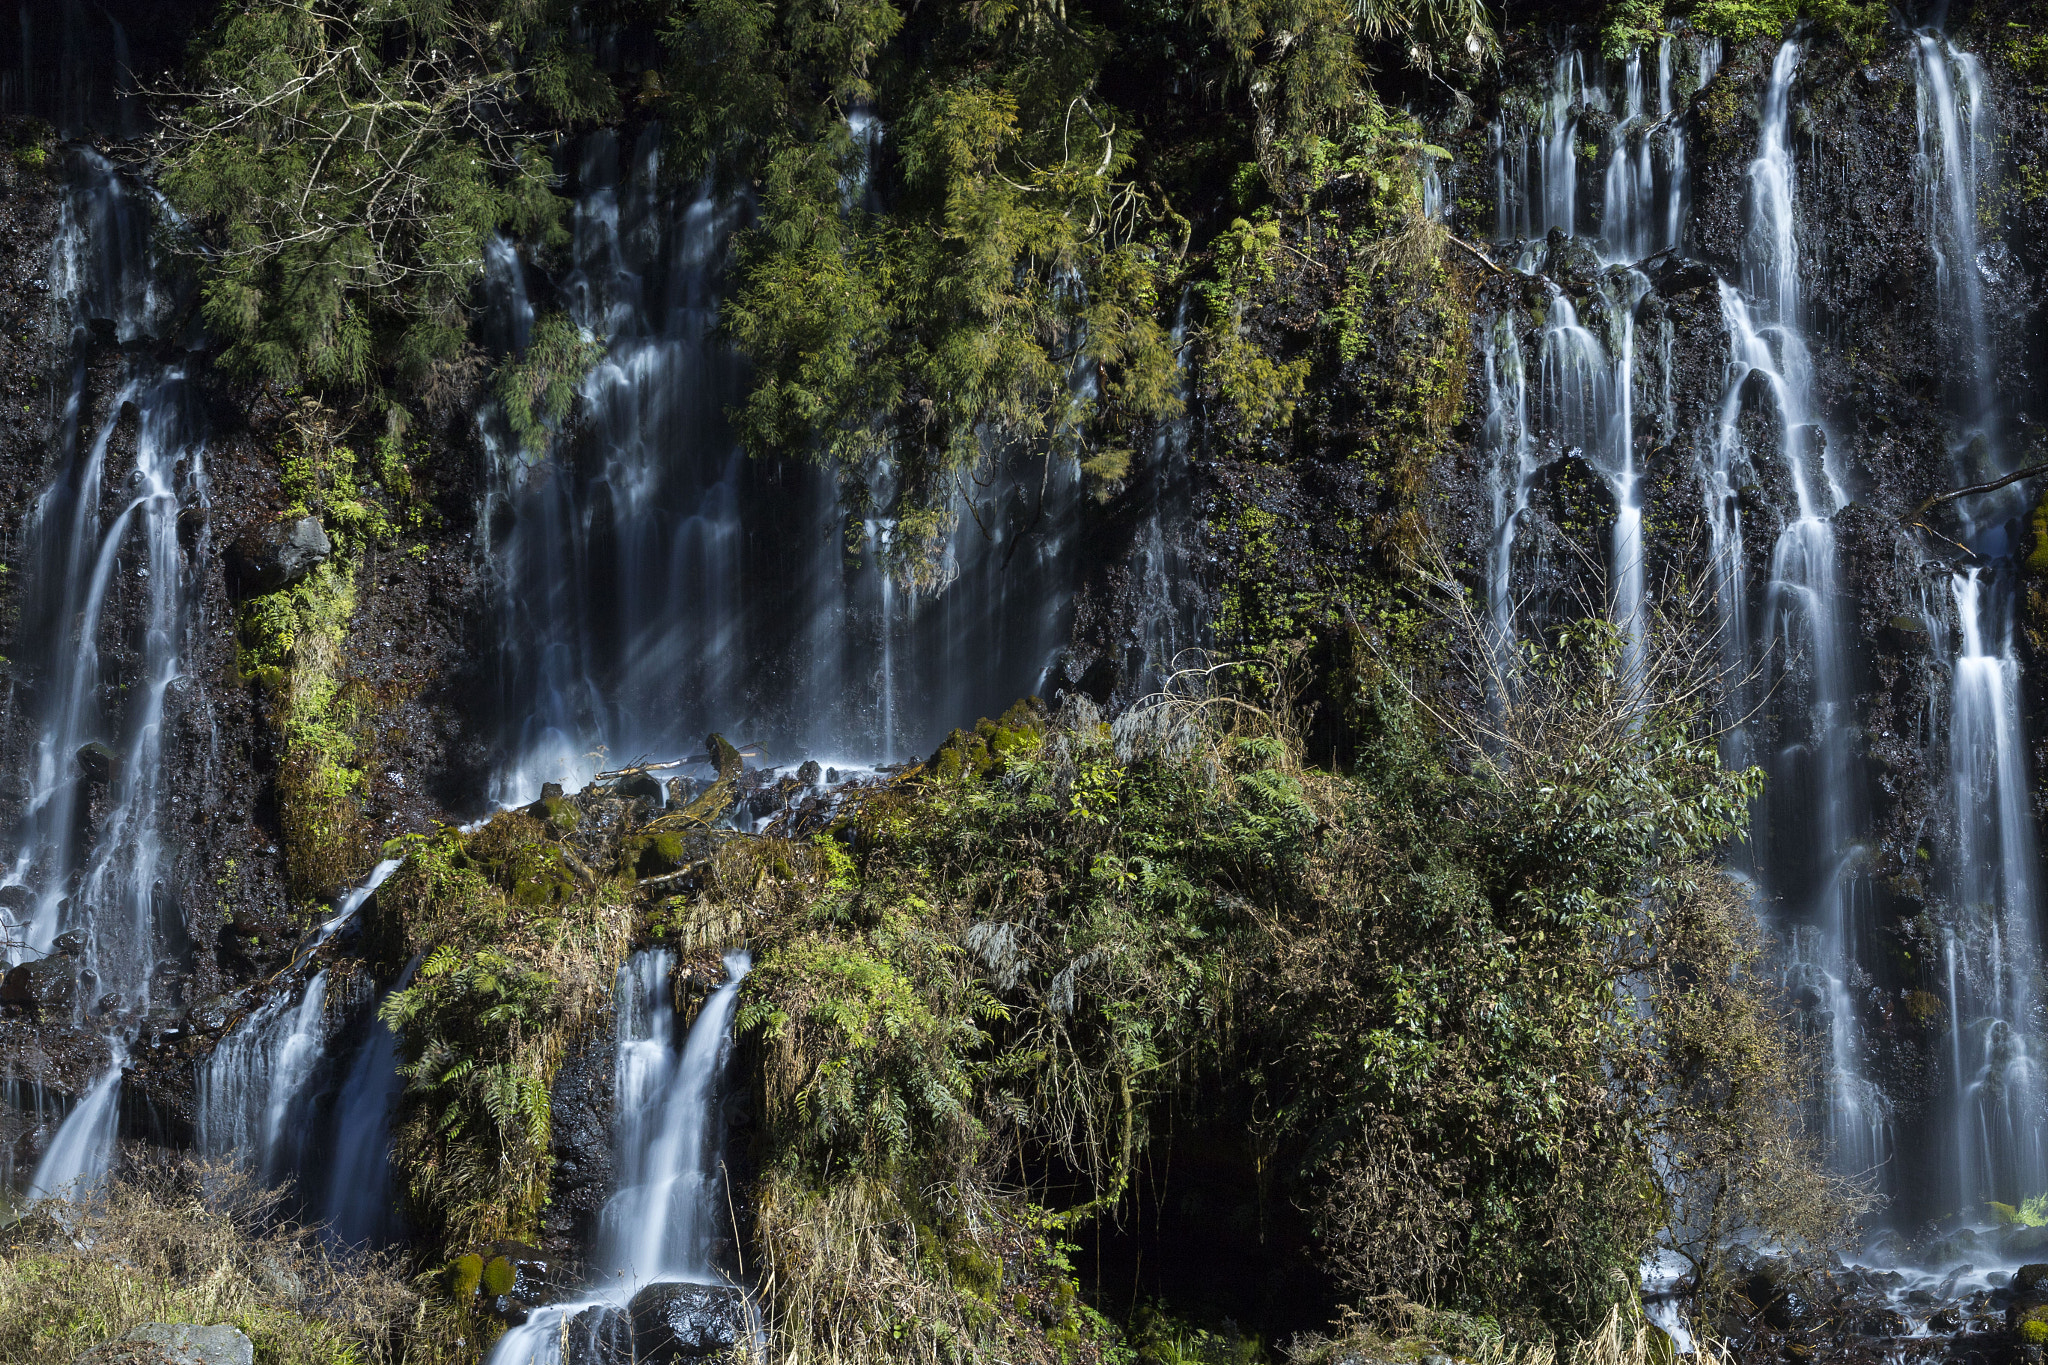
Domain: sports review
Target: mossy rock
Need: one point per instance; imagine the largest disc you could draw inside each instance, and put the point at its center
(981, 752)
(2037, 558)
(514, 851)
(499, 1276)
(725, 758)
(465, 1273)
(657, 854)
(560, 814)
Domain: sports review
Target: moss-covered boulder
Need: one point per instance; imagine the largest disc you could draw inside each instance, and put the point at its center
(982, 751)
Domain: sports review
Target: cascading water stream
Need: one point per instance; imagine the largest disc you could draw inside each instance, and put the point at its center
(254, 1095)
(656, 584)
(254, 1079)
(1998, 1139)
(1512, 478)
(105, 556)
(1992, 942)
(1815, 859)
(659, 1226)
(361, 1207)
(1589, 376)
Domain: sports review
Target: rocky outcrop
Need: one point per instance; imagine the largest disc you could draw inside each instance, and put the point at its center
(687, 1322)
(580, 1134)
(166, 1343)
(267, 558)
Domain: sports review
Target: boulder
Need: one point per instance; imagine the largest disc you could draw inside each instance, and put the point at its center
(96, 761)
(725, 758)
(266, 558)
(175, 1343)
(2030, 1277)
(16, 900)
(599, 1336)
(48, 985)
(640, 785)
(71, 943)
(681, 1322)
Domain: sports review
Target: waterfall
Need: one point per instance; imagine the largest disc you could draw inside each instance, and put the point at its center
(254, 1095)
(1588, 373)
(1815, 860)
(659, 1225)
(1998, 1151)
(1169, 613)
(105, 561)
(1991, 942)
(1588, 391)
(360, 1206)
(655, 584)
(251, 1088)
(1512, 477)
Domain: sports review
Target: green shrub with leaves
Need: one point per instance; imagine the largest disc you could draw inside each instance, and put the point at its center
(1030, 961)
(343, 165)
(508, 976)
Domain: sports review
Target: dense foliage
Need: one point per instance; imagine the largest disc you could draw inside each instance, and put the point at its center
(345, 164)
(1466, 998)
(514, 955)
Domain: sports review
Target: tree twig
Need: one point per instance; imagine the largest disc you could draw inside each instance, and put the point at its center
(2029, 472)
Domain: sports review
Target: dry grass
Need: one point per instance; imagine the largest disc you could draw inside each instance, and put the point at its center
(855, 1275)
(1624, 1339)
(186, 1243)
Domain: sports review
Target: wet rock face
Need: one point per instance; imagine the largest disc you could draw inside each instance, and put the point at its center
(267, 558)
(687, 1322)
(44, 988)
(599, 1336)
(581, 1134)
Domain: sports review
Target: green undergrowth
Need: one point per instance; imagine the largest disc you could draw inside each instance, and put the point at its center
(291, 643)
(1861, 25)
(517, 954)
(537, 390)
(1401, 980)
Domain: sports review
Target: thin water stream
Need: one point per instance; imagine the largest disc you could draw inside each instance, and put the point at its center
(1992, 936)
(108, 611)
(660, 1225)
(656, 584)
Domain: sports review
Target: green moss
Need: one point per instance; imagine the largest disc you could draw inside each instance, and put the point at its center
(465, 1273)
(2026, 49)
(968, 755)
(2037, 556)
(498, 1277)
(975, 1269)
(291, 643)
(561, 814)
(655, 854)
